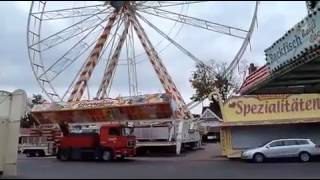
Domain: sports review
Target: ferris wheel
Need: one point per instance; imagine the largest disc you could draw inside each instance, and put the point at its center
(75, 47)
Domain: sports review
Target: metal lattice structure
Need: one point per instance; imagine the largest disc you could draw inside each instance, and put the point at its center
(113, 28)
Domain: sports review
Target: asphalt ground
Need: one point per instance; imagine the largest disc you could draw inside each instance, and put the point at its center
(204, 163)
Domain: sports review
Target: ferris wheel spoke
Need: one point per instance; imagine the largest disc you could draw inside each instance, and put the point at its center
(59, 40)
(66, 33)
(185, 51)
(68, 61)
(168, 32)
(79, 53)
(70, 12)
(181, 48)
(163, 4)
(76, 50)
(198, 23)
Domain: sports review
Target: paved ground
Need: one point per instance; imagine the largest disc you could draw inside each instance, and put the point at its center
(205, 163)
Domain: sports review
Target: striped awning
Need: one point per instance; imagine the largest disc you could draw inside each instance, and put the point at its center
(254, 78)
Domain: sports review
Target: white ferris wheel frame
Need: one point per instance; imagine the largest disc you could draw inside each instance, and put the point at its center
(34, 42)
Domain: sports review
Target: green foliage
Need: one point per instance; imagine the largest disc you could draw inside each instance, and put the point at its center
(202, 82)
(209, 78)
(37, 99)
(28, 121)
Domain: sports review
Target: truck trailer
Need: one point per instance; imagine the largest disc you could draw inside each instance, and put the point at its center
(39, 141)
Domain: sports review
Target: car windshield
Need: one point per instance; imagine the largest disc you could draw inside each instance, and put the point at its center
(264, 144)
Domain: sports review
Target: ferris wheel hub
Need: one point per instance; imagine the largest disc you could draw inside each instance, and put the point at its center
(119, 4)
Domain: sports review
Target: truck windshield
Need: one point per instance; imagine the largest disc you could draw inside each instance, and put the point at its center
(127, 131)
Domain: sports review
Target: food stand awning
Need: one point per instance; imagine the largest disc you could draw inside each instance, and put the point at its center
(293, 62)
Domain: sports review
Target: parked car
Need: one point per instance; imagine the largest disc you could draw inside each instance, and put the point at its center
(304, 149)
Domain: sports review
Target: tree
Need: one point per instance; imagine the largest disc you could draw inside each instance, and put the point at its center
(210, 78)
(28, 121)
(37, 99)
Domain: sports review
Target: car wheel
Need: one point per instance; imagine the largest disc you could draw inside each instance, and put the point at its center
(258, 158)
(106, 155)
(304, 157)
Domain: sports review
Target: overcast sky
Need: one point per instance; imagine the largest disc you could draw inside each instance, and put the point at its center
(274, 19)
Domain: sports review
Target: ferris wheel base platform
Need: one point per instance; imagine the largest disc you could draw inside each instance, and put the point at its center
(152, 115)
(146, 107)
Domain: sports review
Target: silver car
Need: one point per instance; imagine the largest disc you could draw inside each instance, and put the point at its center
(303, 149)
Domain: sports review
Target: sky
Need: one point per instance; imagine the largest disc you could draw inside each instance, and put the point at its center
(274, 19)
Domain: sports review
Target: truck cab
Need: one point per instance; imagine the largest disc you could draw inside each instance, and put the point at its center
(108, 143)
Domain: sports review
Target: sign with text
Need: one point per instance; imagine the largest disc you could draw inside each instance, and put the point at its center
(303, 35)
(271, 107)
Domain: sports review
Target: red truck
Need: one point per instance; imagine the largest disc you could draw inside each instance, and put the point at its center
(113, 141)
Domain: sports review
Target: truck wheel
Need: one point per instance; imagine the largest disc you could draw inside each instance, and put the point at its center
(107, 155)
(122, 158)
(42, 153)
(31, 154)
(37, 154)
(28, 154)
(63, 155)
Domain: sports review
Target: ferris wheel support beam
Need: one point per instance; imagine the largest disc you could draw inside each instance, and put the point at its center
(75, 78)
(92, 61)
(112, 42)
(132, 68)
(160, 69)
(110, 68)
